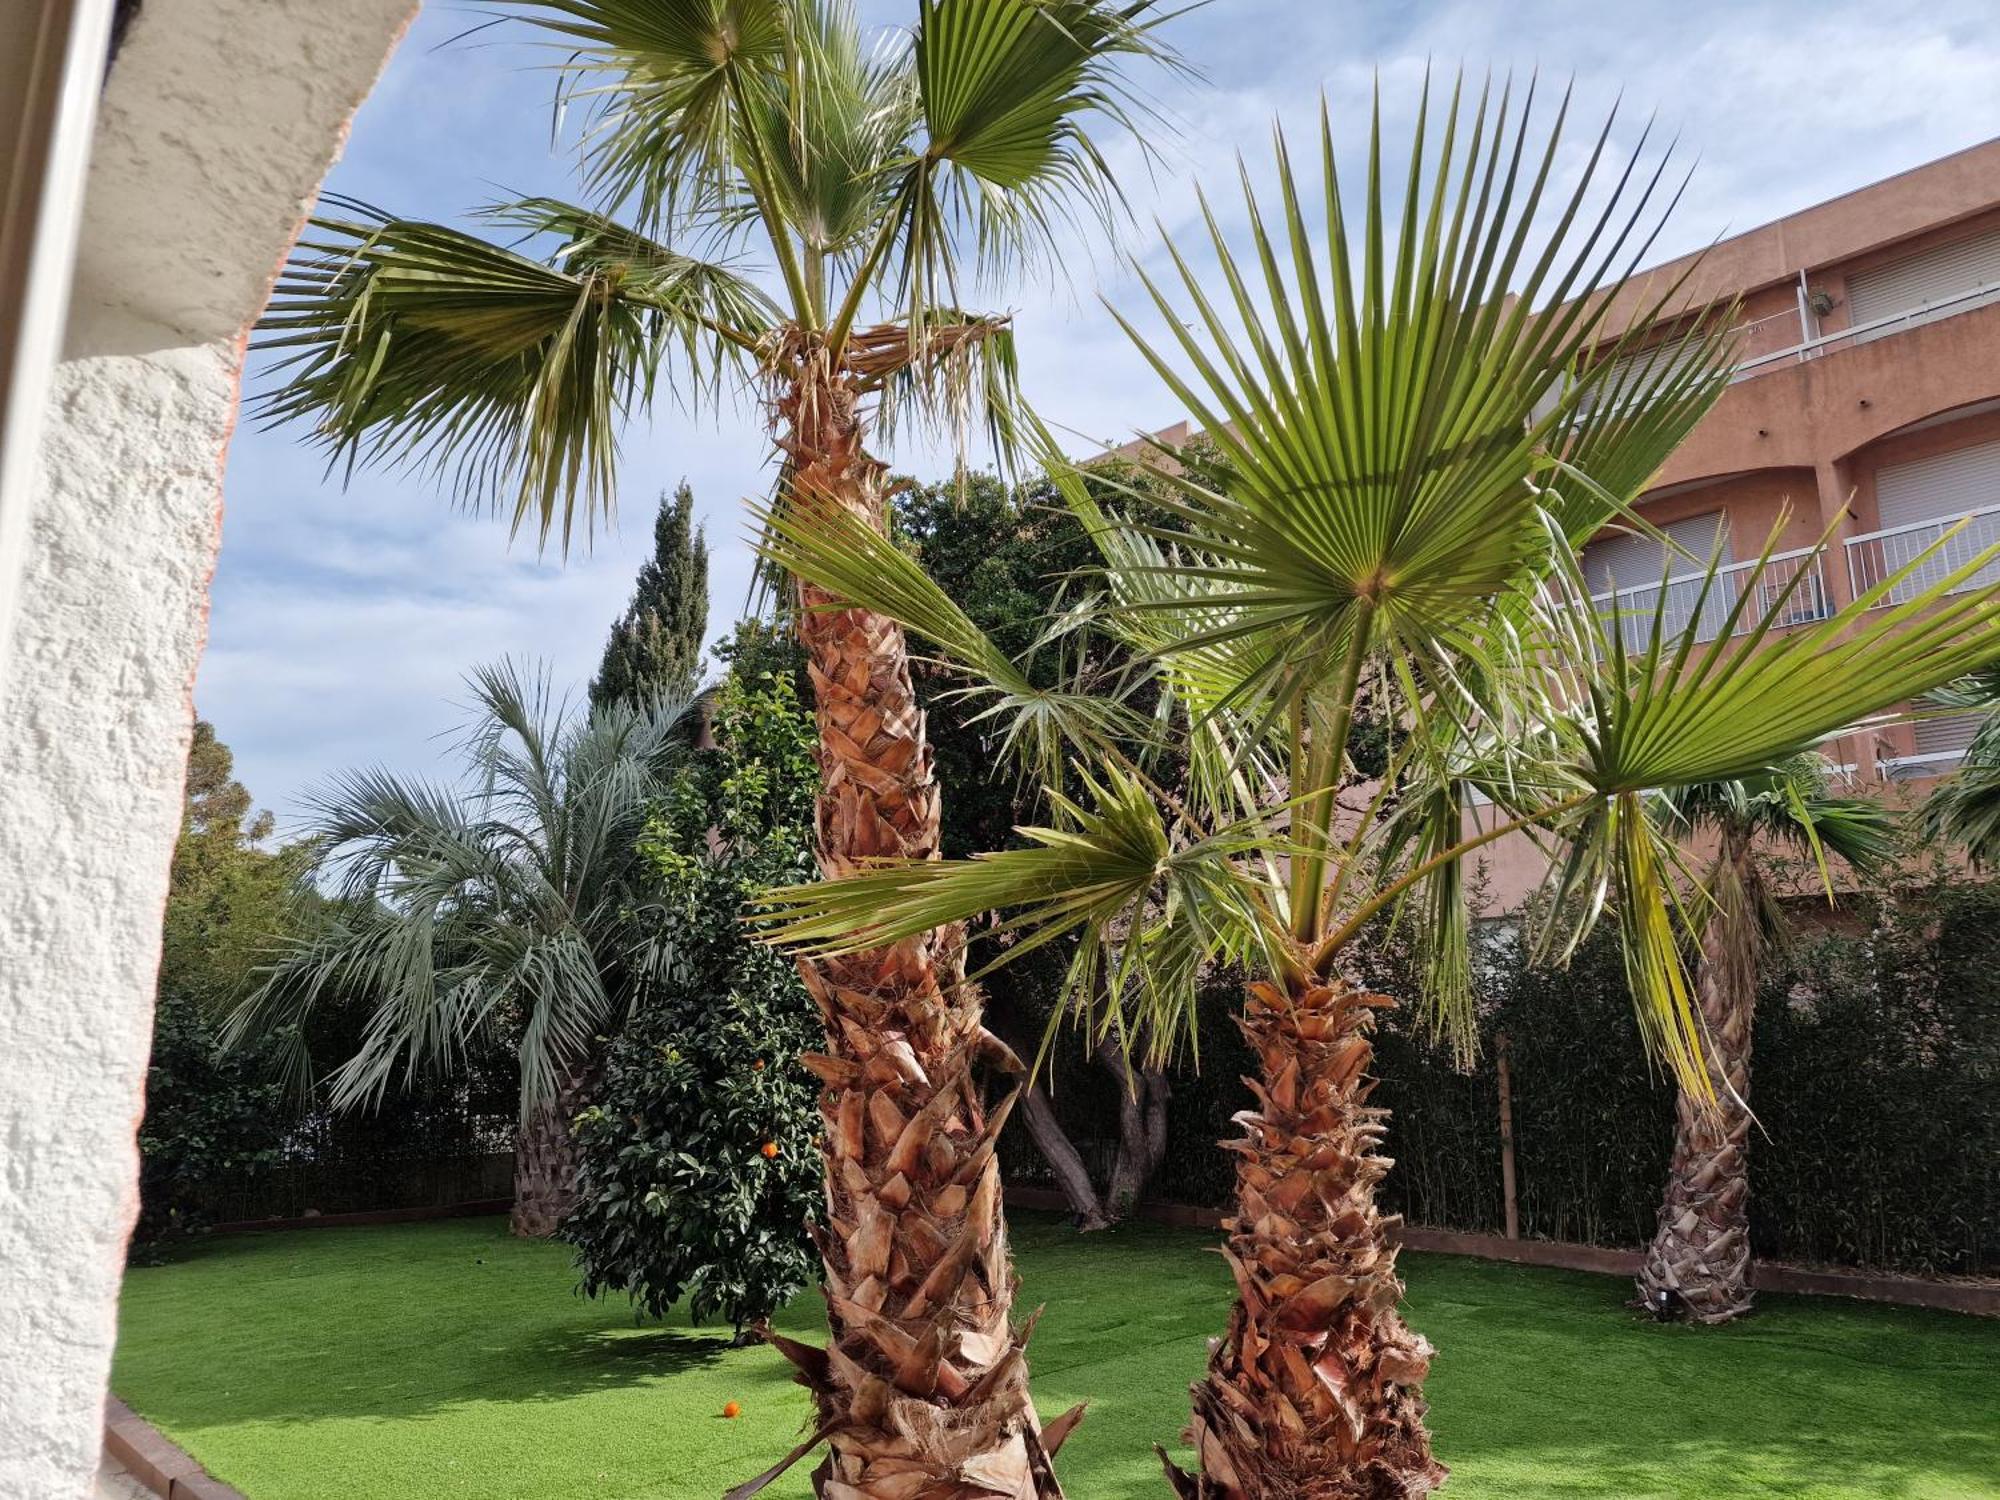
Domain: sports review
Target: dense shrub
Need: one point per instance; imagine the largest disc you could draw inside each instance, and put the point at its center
(1876, 1084)
(210, 1116)
(1878, 1087)
(698, 1163)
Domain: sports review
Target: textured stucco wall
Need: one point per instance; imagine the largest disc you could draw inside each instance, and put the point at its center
(219, 120)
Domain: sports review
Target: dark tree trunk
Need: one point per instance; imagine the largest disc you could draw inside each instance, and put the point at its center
(1698, 1265)
(1038, 1113)
(545, 1164)
(1315, 1393)
(1142, 1129)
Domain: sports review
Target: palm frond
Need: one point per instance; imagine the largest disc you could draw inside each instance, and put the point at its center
(1732, 691)
(417, 345)
(660, 82)
(1042, 727)
(1149, 911)
(1008, 91)
(1380, 415)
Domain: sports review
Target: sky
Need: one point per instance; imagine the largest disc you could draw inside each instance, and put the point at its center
(346, 614)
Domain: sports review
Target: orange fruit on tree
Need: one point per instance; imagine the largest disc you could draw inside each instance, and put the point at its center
(770, 1149)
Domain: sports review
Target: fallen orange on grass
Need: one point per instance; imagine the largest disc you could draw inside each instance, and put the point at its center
(732, 1411)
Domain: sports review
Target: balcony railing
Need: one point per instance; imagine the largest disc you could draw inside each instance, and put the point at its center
(1881, 554)
(1631, 611)
(1860, 333)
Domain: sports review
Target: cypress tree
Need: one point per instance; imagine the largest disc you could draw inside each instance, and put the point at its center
(655, 647)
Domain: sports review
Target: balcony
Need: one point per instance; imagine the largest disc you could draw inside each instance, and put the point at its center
(1861, 333)
(1631, 611)
(1881, 554)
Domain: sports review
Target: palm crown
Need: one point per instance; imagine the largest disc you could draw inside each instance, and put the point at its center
(1393, 523)
(494, 907)
(779, 179)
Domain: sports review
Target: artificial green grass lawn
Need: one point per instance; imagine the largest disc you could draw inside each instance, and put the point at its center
(447, 1359)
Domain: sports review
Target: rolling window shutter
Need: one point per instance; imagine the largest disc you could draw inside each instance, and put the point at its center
(1950, 484)
(1917, 281)
(1639, 561)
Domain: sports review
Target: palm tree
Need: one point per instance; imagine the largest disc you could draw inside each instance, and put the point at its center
(1964, 808)
(881, 183)
(497, 906)
(1698, 1265)
(1394, 522)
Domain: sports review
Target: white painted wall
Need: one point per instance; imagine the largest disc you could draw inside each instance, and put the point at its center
(219, 120)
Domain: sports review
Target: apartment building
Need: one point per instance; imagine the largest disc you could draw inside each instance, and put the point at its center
(1865, 407)
(1866, 403)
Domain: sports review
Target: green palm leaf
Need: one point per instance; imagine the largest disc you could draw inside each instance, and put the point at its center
(1380, 416)
(1150, 911)
(412, 343)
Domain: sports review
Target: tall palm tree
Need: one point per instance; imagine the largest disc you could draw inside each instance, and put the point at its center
(881, 186)
(492, 907)
(1394, 521)
(1698, 1265)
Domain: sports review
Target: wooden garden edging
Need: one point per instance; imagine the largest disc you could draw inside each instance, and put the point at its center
(1980, 1299)
(162, 1466)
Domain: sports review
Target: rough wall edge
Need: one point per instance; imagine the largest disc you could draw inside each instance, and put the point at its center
(1977, 1299)
(238, 346)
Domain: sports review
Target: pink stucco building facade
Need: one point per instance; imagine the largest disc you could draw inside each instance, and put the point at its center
(1866, 408)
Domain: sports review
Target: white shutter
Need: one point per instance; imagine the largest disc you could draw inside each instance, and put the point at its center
(1636, 561)
(1626, 374)
(1930, 276)
(1940, 738)
(1949, 485)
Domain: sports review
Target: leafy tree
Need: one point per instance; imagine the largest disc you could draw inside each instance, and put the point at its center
(497, 907)
(211, 1113)
(227, 896)
(655, 648)
(1416, 435)
(885, 183)
(1698, 1264)
(698, 1165)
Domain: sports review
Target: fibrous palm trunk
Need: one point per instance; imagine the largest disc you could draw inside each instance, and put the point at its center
(923, 1389)
(1698, 1265)
(1315, 1393)
(545, 1163)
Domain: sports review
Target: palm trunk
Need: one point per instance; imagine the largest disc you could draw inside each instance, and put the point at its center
(545, 1163)
(923, 1391)
(1038, 1113)
(1698, 1266)
(1315, 1393)
(1142, 1129)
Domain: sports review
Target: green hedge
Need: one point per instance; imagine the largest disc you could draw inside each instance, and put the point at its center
(1877, 1080)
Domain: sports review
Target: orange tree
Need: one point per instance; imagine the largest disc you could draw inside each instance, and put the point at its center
(1402, 485)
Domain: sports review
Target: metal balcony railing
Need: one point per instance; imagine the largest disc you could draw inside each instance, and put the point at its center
(1630, 611)
(1881, 554)
(1860, 333)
